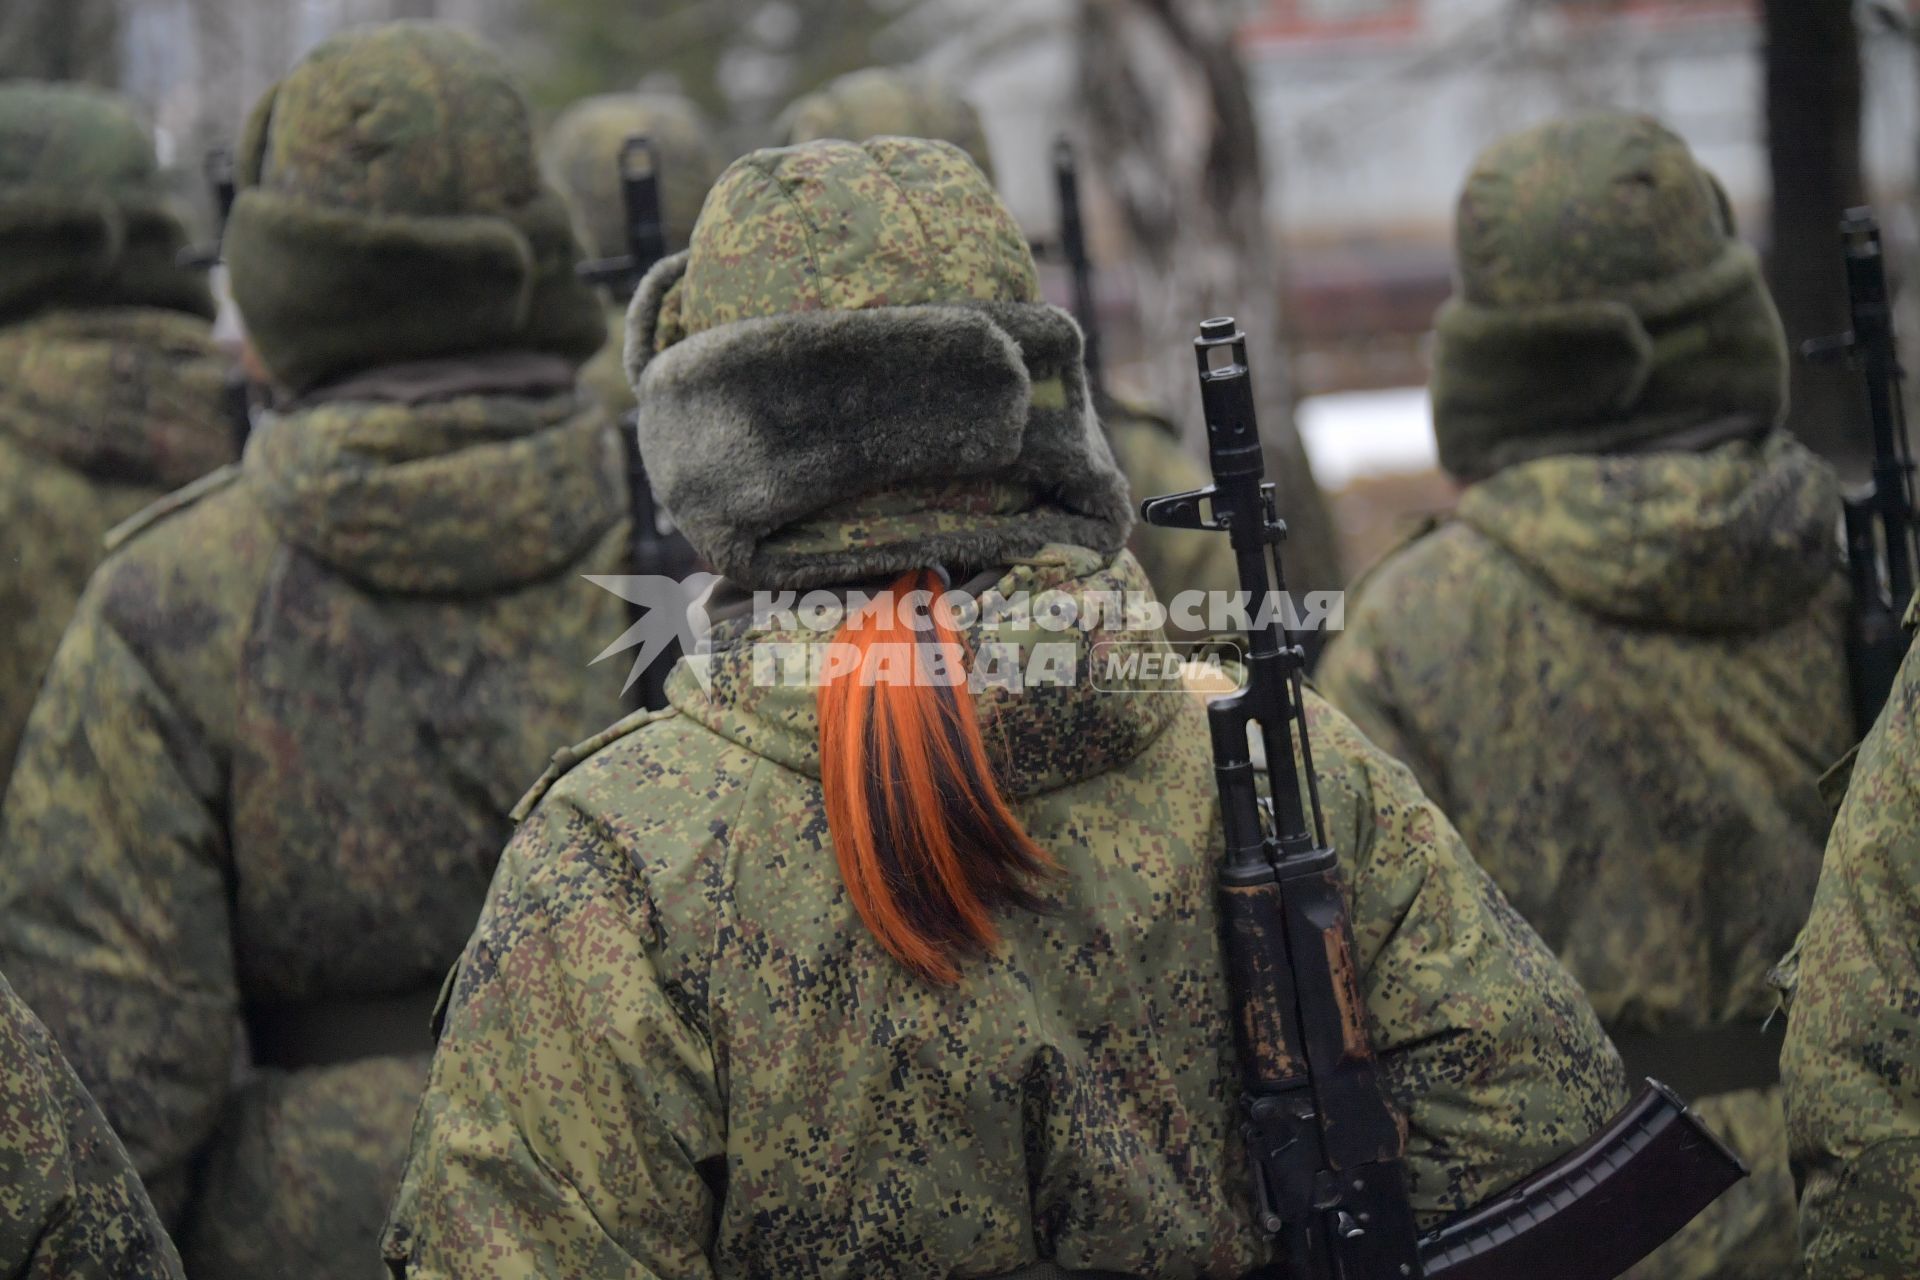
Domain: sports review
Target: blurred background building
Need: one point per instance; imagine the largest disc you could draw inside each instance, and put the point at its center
(1294, 161)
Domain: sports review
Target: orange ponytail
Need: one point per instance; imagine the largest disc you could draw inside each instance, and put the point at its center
(928, 848)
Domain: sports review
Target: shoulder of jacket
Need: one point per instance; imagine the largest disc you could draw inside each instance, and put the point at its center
(564, 760)
(1416, 530)
(160, 508)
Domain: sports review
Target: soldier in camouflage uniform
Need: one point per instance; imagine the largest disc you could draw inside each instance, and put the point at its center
(109, 381)
(1851, 1065)
(880, 101)
(1619, 666)
(71, 1206)
(268, 777)
(674, 1047)
(583, 157)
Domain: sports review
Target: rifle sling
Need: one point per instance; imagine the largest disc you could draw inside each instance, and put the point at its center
(1707, 1062)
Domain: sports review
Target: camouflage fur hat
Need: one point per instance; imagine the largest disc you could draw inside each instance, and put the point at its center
(1602, 302)
(884, 101)
(854, 320)
(391, 209)
(583, 155)
(83, 219)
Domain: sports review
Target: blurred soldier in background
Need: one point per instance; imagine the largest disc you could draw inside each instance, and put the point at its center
(71, 1205)
(1851, 1064)
(728, 1013)
(1619, 668)
(109, 382)
(883, 100)
(879, 101)
(269, 774)
(583, 159)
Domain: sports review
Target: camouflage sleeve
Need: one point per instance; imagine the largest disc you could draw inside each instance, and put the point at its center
(1851, 1063)
(1489, 1043)
(1352, 677)
(71, 1206)
(113, 898)
(571, 1104)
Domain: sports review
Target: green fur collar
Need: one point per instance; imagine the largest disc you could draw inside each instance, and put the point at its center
(1511, 384)
(764, 424)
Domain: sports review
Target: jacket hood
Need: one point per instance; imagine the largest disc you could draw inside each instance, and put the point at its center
(1730, 540)
(122, 393)
(1044, 721)
(470, 494)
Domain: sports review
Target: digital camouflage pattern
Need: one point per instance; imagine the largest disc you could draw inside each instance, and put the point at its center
(71, 1206)
(268, 779)
(1851, 1065)
(102, 410)
(391, 208)
(1602, 301)
(672, 1048)
(893, 222)
(1150, 455)
(1621, 677)
(583, 155)
(84, 217)
(886, 102)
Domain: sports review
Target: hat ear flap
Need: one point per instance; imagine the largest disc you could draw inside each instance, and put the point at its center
(653, 318)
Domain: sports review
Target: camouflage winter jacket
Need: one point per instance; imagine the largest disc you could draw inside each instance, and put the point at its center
(101, 412)
(71, 1206)
(1851, 1065)
(672, 1048)
(1622, 677)
(265, 786)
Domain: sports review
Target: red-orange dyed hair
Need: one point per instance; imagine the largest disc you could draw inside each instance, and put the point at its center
(927, 846)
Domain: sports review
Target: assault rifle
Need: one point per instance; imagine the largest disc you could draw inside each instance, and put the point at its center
(218, 168)
(1073, 247)
(236, 395)
(646, 231)
(654, 546)
(1325, 1138)
(1880, 526)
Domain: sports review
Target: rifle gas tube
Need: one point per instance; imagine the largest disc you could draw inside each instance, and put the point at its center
(1325, 1139)
(1881, 551)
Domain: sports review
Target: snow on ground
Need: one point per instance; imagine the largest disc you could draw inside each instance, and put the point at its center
(1349, 434)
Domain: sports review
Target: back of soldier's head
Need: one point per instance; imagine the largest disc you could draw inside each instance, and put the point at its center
(583, 155)
(886, 101)
(83, 217)
(855, 320)
(1602, 301)
(391, 209)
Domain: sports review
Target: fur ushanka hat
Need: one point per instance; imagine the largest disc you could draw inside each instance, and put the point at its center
(855, 320)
